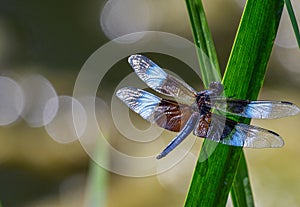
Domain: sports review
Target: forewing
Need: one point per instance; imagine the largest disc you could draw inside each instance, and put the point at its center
(255, 109)
(157, 79)
(229, 132)
(165, 113)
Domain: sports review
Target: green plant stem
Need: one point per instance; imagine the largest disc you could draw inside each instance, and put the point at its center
(243, 79)
(97, 180)
(206, 51)
(241, 193)
(293, 20)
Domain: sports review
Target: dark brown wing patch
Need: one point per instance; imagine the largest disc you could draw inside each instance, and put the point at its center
(214, 127)
(203, 126)
(171, 115)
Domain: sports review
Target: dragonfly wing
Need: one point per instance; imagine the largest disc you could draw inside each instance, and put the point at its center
(255, 137)
(157, 79)
(229, 132)
(139, 101)
(171, 115)
(255, 109)
(165, 113)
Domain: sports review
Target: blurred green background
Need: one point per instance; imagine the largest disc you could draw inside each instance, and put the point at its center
(55, 38)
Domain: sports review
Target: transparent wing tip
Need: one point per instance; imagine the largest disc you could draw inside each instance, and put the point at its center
(277, 141)
(269, 139)
(289, 108)
(125, 92)
(120, 93)
(133, 58)
(296, 109)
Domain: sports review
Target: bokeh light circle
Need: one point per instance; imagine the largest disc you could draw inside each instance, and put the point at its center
(65, 127)
(11, 100)
(126, 21)
(37, 91)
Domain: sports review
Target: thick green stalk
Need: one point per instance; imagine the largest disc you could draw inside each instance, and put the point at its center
(244, 76)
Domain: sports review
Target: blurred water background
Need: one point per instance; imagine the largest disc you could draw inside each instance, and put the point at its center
(43, 45)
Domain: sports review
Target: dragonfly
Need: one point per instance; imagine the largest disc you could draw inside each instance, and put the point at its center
(200, 112)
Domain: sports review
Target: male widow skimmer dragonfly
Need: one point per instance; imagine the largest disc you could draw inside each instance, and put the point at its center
(192, 110)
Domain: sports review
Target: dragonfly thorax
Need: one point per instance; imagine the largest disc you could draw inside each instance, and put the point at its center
(203, 101)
